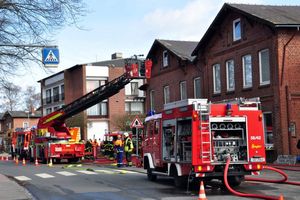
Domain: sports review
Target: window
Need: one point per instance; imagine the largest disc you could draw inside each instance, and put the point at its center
(134, 88)
(183, 92)
(48, 111)
(134, 107)
(230, 75)
(48, 96)
(152, 100)
(247, 71)
(165, 58)
(100, 108)
(268, 128)
(217, 78)
(55, 108)
(264, 67)
(197, 88)
(166, 94)
(25, 124)
(62, 90)
(237, 34)
(56, 94)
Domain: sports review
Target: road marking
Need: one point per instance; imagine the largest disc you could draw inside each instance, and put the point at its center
(65, 173)
(104, 171)
(86, 172)
(125, 171)
(44, 175)
(22, 178)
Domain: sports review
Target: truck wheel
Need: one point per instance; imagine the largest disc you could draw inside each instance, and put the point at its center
(235, 181)
(150, 175)
(180, 181)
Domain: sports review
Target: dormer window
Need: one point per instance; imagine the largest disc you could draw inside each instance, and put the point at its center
(165, 59)
(237, 33)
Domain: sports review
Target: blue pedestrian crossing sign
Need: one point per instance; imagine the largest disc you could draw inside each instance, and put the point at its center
(50, 57)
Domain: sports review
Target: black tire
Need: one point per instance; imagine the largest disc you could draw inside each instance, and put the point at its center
(180, 181)
(235, 181)
(150, 175)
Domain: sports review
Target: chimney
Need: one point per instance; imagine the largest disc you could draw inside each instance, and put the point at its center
(116, 56)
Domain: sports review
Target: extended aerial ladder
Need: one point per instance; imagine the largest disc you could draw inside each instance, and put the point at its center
(52, 138)
(56, 119)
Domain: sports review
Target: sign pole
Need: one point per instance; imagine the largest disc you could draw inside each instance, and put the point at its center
(137, 140)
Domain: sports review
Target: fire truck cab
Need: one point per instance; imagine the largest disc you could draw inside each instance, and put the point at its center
(194, 138)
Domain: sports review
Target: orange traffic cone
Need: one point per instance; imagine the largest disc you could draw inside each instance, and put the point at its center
(202, 195)
(1, 157)
(281, 197)
(24, 162)
(36, 162)
(17, 161)
(6, 158)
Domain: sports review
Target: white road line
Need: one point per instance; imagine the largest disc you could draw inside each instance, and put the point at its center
(65, 173)
(104, 171)
(22, 178)
(125, 171)
(86, 172)
(44, 175)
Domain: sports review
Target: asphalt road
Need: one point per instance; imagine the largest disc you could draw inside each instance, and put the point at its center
(92, 182)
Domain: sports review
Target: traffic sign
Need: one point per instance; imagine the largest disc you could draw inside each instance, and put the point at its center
(136, 123)
(50, 57)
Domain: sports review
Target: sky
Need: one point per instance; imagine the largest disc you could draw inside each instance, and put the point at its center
(131, 26)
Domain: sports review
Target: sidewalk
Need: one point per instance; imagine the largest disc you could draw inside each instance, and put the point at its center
(11, 190)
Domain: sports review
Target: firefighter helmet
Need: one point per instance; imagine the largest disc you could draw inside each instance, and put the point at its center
(126, 134)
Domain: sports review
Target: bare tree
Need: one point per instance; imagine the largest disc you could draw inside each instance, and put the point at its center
(31, 98)
(25, 25)
(11, 95)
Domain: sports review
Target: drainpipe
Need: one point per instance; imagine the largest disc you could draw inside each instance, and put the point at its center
(287, 89)
(287, 98)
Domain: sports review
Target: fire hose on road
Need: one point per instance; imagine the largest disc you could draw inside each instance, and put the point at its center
(282, 181)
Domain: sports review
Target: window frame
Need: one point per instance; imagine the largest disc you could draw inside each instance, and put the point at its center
(165, 59)
(261, 82)
(244, 72)
(152, 101)
(195, 89)
(183, 90)
(227, 75)
(166, 94)
(48, 96)
(234, 36)
(214, 78)
(134, 91)
(56, 94)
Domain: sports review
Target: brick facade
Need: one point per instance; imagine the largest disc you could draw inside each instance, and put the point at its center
(281, 96)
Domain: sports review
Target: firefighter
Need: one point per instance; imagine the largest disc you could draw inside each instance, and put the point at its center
(119, 150)
(128, 148)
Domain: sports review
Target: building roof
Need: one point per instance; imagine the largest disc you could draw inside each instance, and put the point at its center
(276, 15)
(120, 62)
(182, 49)
(272, 16)
(23, 114)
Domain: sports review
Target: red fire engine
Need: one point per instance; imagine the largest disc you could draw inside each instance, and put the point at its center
(20, 142)
(53, 140)
(193, 138)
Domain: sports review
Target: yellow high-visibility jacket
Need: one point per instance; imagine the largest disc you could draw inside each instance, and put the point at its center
(128, 145)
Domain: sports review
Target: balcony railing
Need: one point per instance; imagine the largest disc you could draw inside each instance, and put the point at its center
(53, 99)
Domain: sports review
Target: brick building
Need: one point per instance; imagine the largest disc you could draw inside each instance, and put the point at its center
(10, 120)
(66, 86)
(174, 76)
(248, 51)
(253, 51)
